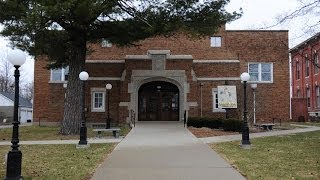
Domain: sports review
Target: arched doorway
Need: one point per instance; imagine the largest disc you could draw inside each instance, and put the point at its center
(158, 101)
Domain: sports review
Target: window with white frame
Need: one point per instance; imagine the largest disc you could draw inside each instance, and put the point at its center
(215, 41)
(316, 63)
(308, 97)
(318, 96)
(59, 74)
(98, 100)
(215, 101)
(261, 72)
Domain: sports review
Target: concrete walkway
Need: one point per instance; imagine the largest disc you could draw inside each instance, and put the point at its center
(217, 139)
(164, 151)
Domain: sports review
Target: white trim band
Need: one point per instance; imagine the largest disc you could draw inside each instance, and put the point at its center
(105, 61)
(180, 57)
(219, 79)
(216, 61)
(124, 104)
(168, 57)
(104, 78)
(138, 57)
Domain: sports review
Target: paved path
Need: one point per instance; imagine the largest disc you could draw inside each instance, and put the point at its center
(217, 139)
(164, 151)
(10, 125)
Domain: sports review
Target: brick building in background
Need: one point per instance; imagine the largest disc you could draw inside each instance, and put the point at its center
(306, 79)
(163, 77)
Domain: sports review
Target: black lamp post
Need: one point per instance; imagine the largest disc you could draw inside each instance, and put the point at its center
(83, 76)
(17, 58)
(108, 87)
(245, 143)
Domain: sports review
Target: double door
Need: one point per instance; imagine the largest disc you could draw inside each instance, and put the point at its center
(158, 104)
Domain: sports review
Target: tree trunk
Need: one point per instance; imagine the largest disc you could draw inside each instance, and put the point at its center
(73, 103)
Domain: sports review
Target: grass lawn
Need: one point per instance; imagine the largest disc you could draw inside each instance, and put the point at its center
(48, 133)
(308, 123)
(58, 161)
(283, 157)
(285, 126)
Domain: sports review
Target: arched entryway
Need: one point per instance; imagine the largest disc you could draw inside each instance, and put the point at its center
(158, 101)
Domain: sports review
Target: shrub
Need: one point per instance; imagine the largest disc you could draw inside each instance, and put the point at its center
(232, 125)
(199, 122)
(194, 122)
(214, 123)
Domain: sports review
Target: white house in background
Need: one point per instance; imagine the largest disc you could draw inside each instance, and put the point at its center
(6, 108)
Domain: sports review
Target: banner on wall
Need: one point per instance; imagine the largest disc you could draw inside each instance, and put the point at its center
(227, 97)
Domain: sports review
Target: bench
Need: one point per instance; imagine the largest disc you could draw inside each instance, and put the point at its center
(267, 126)
(115, 132)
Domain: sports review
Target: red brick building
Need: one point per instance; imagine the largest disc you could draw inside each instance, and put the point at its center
(163, 77)
(306, 79)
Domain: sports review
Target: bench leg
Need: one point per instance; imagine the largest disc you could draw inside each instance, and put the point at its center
(115, 134)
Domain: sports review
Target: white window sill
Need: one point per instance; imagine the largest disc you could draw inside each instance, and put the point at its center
(260, 82)
(57, 82)
(97, 110)
(219, 110)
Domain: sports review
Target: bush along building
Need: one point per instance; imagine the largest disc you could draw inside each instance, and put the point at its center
(305, 69)
(163, 77)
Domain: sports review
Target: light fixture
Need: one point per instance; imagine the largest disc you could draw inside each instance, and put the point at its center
(83, 143)
(245, 143)
(108, 87)
(14, 158)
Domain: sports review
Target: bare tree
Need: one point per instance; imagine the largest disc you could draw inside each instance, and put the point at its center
(307, 13)
(27, 91)
(6, 78)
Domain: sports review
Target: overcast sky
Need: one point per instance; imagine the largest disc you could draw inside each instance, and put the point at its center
(264, 13)
(256, 14)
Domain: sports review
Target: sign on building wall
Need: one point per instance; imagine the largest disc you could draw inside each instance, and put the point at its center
(227, 97)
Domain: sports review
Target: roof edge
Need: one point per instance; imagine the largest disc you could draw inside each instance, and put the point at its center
(316, 36)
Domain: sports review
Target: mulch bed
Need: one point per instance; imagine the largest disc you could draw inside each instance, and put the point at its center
(207, 132)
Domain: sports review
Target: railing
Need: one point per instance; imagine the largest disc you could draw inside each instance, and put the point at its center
(185, 118)
(132, 118)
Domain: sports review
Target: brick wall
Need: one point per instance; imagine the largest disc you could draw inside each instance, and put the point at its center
(302, 53)
(41, 92)
(273, 99)
(299, 109)
(105, 70)
(245, 46)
